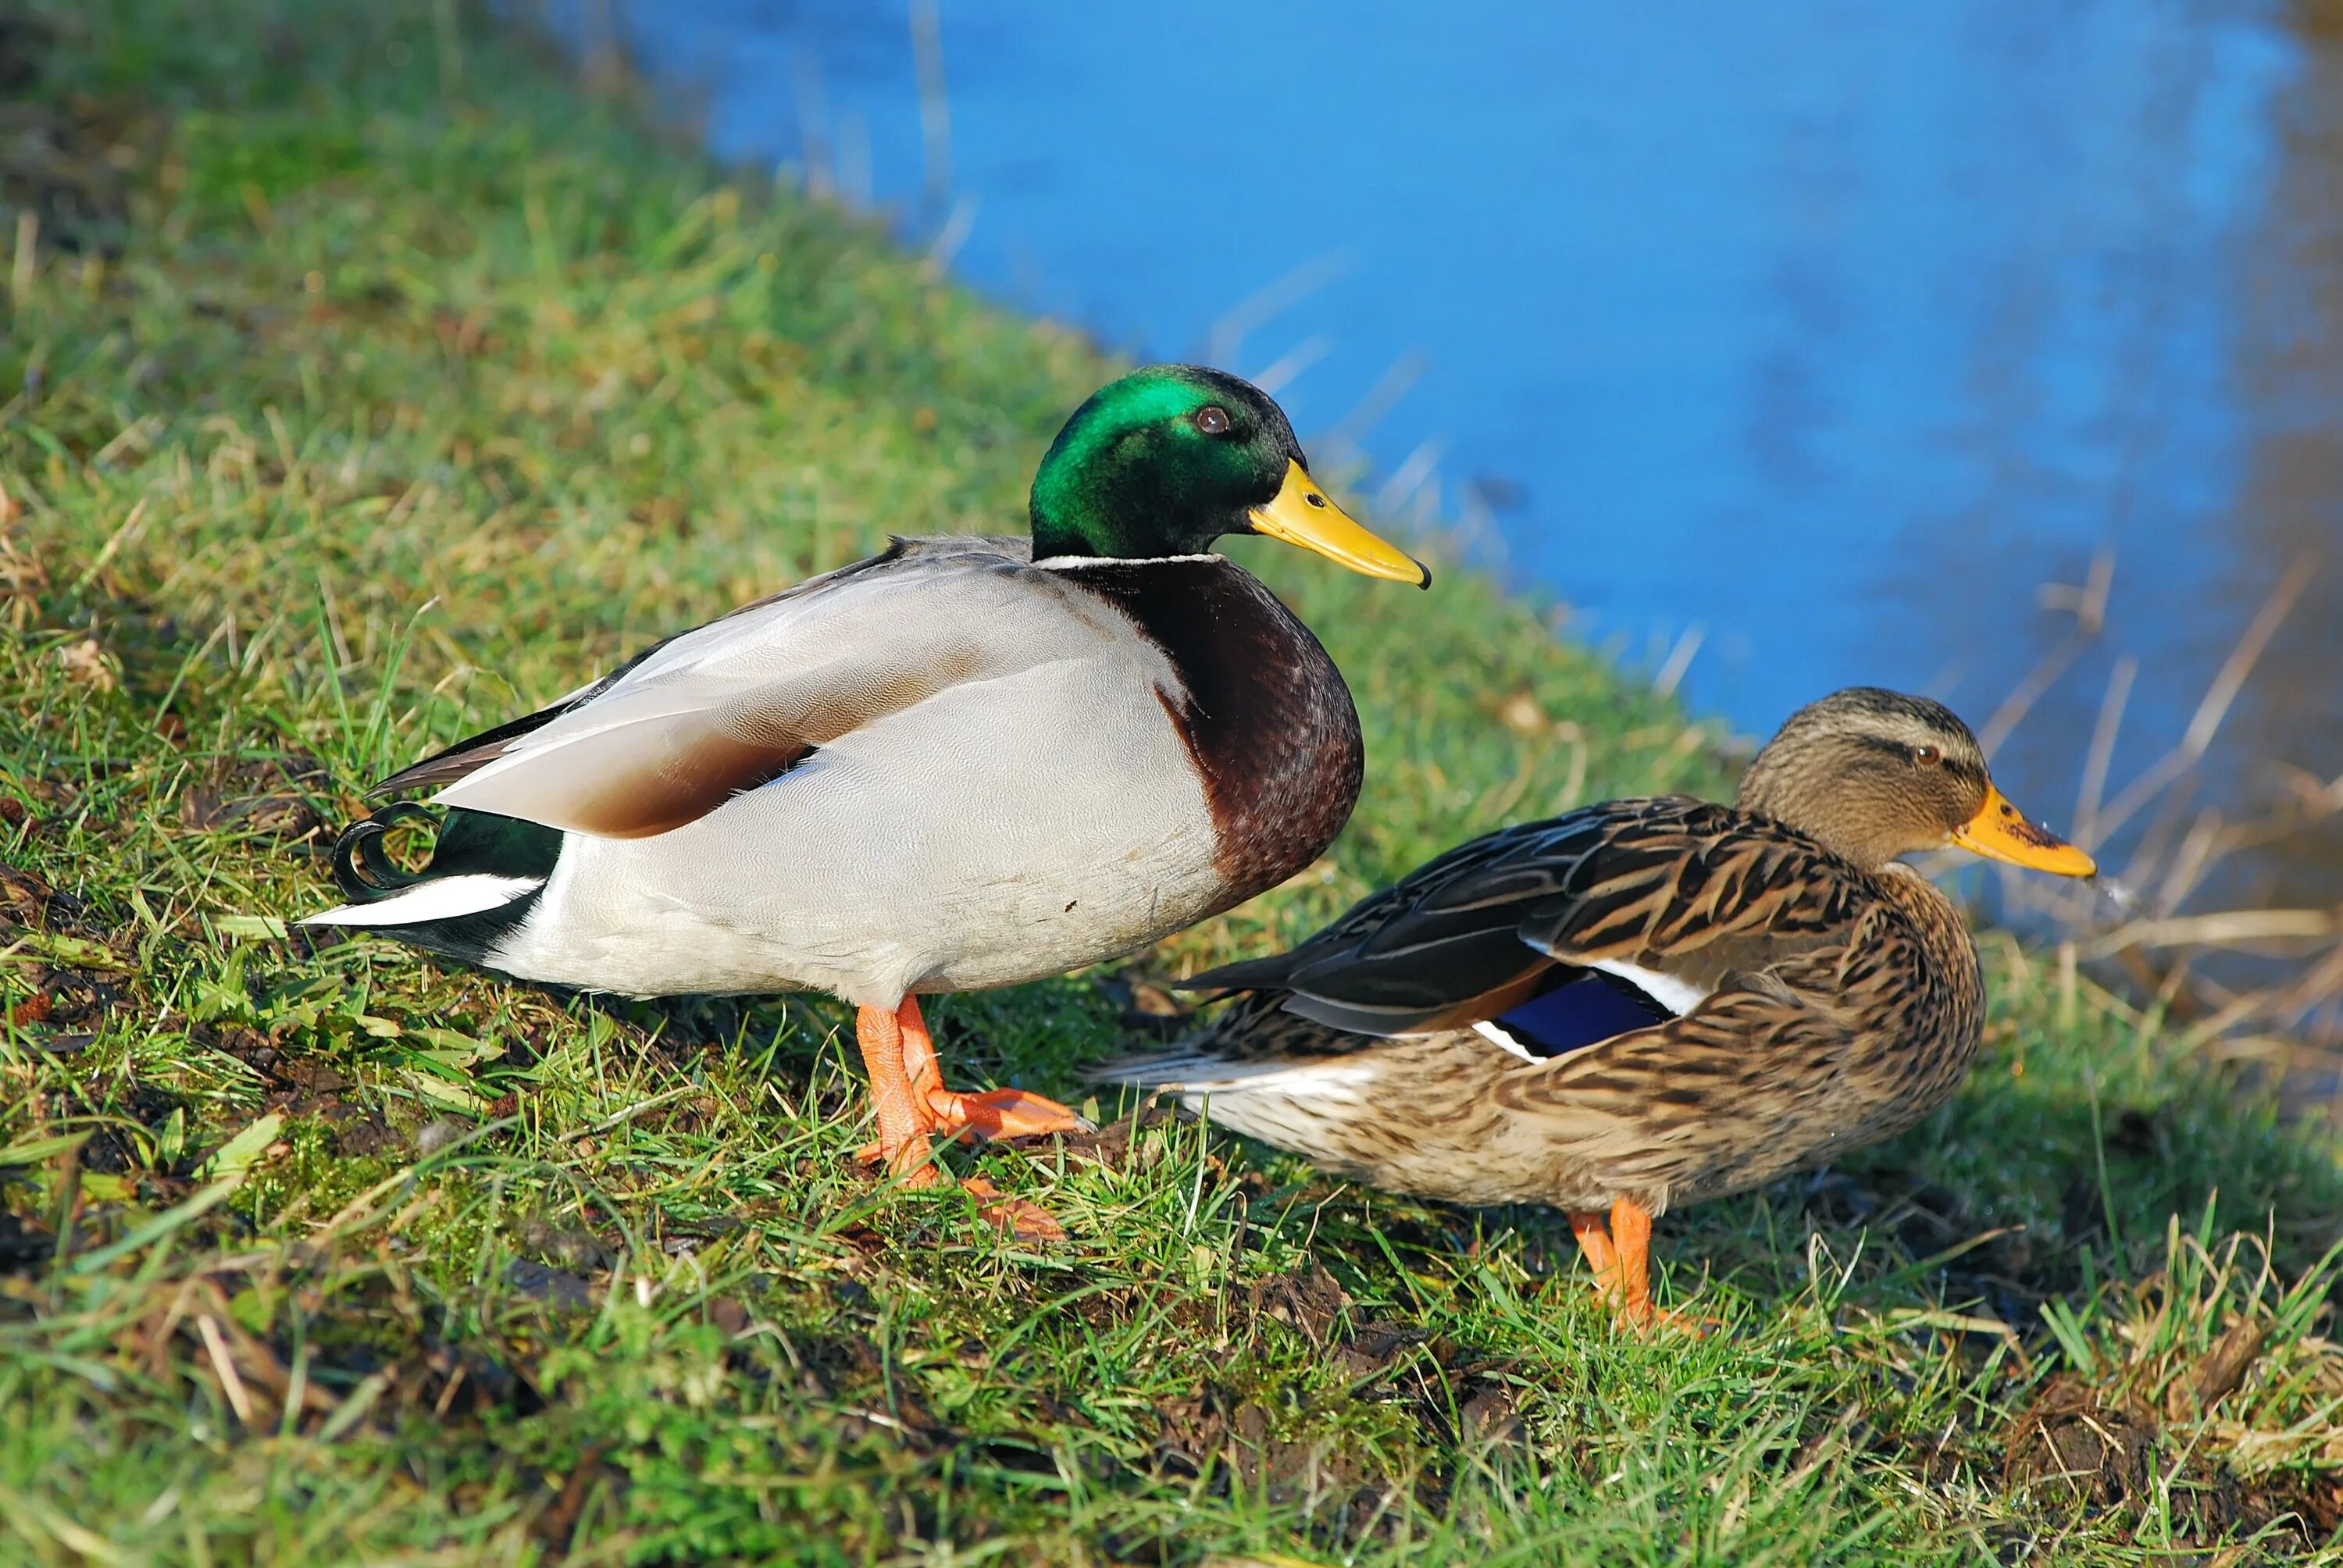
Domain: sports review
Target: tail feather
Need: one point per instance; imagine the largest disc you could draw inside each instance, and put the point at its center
(430, 899)
(485, 875)
(363, 867)
(1247, 974)
(1195, 1073)
(1256, 1046)
(1161, 1069)
(465, 843)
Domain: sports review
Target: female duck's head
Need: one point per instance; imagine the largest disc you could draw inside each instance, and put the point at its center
(1873, 775)
(1169, 459)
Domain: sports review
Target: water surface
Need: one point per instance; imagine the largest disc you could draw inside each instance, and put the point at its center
(1807, 339)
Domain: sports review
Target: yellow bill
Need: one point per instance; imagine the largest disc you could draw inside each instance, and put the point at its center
(2000, 831)
(1301, 515)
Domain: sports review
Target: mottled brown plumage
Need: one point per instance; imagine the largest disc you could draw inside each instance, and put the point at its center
(1642, 1003)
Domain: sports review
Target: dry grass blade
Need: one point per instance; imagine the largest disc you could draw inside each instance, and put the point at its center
(2088, 604)
(2101, 755)
(231, 1381)
(2228, 681)
(2241, 928)
(2165, 949)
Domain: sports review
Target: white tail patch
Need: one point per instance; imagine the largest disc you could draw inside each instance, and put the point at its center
(1199, 1078)
(441, 899)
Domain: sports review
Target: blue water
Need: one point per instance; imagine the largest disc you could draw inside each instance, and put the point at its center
(1824, 332)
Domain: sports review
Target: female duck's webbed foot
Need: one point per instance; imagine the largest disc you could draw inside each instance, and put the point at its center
(913, 1105)
(1621, 1257)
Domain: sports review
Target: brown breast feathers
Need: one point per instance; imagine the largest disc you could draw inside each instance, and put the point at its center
(1263, 711)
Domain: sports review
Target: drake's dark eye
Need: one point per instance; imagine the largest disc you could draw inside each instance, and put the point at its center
(1926, 754)
(1213, 420)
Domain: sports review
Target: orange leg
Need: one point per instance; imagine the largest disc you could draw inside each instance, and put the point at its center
(1594, 1241)
(912, 1104)
(1620, 1254)
(903, 1120)
(995, 1114)
(1631, 1232)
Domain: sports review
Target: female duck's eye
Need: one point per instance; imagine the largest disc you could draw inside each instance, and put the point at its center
(1926, 754)
(1213, 420)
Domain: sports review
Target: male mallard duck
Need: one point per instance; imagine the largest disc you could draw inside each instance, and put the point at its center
(1637, 1004)
(961, 763)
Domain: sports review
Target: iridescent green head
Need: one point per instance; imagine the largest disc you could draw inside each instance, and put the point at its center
(1171, 457)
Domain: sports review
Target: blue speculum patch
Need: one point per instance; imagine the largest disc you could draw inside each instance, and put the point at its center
(1588, 1007)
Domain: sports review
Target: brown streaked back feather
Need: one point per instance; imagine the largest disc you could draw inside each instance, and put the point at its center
(1474, 938)
(1680, 888)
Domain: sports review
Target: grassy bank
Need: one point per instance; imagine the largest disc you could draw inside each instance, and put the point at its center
(363, 383)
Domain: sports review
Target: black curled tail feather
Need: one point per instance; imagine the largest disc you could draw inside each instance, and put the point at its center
(464, 841)
(362, 867)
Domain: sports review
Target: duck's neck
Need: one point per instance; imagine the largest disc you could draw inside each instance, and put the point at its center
(1089, 501)
(1057, 537)
(1954, 1002)
(1854, 829)
(1102, 532)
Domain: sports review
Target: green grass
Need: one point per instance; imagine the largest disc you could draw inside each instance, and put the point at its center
(373, 383)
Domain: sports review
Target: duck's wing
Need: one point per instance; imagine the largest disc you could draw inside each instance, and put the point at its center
(1412, 950)
(740, 702)
(1545, 928)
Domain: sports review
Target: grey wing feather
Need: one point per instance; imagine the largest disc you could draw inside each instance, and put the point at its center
(744, 699)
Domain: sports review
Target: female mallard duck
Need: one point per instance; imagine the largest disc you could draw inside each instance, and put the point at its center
(1638, 1004)
(961, 763)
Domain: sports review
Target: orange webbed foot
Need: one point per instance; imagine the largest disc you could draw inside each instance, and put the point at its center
(1620, 1255)
(1026, 1222)
(1001, 1113)
(1692, 1325)
(913, 1106)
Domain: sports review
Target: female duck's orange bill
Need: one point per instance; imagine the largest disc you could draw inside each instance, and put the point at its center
(2000, 831)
